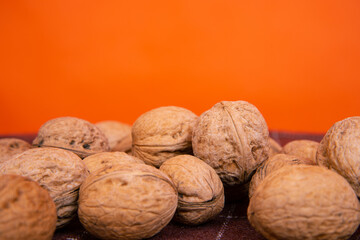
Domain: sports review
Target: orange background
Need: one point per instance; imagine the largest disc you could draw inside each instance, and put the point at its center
(297, 61)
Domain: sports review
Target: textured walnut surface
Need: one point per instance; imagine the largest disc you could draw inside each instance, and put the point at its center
(12, 146)
(230, 224)
(162, 133)
(302, 148)
(59, 171)
(127, 201)
(339, 150)
(26, 210)
(118, 135)
(272, 164)
(304, 202)
(201, 192)
(233, 138)
(106, 159)
(275, 147)
(74, 134)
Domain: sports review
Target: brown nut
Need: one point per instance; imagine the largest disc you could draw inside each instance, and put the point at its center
(162, 133)
(272, 164)
(302, 148)
(304, 202)
(233, 138)
(12, 146)
(106, 159)
(275, 147)
(126, 201)
(26, 210)
(200, 190)
(59, 171)
(73, 134)
(118, 135)
(339, 150)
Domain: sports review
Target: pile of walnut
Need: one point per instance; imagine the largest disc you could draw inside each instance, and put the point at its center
(129, 182)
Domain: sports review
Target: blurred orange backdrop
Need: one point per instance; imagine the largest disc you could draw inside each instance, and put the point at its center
(297, 61)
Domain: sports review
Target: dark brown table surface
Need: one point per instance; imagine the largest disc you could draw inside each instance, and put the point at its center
(231, 223)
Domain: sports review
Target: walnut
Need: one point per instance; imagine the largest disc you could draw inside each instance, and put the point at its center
(26, 210)
(233, 138)
(12, 146)
(126, 201)
(200, 190)
(272, 164)
(304, 202)
(73, 134)
(162, 133)
(339, 150)
(118, 135)
(275, 147)
(302, 148)
(105, 159)
(59, 171)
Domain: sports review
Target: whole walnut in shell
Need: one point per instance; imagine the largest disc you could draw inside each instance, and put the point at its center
(275, 147)
(118, 135)
(163, 133)
(126, 201)
(26, 210)
(106, 159)
(73, 134)
(233, 138)
(59, 171)
(200, 190)
(304, 202)
(339, 150)
(302, 148)
(12, 146)
(272, 164)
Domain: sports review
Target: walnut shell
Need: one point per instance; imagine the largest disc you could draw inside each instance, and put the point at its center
(304, 202)
(339, 150)
(26, 210)
(59, 171)
(73, 134)
(126, 201)
(200, 190)
(233, 138)
(272, 164)
(275, 147)
(118, 135)
(302, 148)
(12, 146)
(105, 159)
(163, 133)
